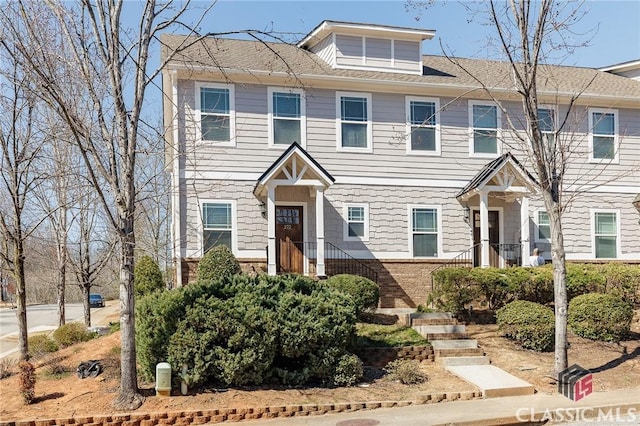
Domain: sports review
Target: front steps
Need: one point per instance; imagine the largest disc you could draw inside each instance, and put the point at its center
(455, 351)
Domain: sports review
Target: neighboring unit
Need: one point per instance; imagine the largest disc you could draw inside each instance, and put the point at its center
(353, 152)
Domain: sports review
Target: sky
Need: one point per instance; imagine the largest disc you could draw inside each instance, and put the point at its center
(613, 26)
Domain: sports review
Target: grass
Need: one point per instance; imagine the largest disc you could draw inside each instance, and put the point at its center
(384, 336)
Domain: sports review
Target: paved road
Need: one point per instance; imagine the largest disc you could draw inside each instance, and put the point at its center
(40, 318)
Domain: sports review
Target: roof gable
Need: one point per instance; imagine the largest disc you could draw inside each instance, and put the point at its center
(294, 167)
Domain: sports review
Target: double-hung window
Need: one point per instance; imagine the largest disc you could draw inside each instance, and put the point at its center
(424, 238)
(356, 222)
(603, 125)
(485, 122)
(423, 127)
(543, 233)
(217, 224)
(546, 123)
(605, 233)
(353, 121)
(215, 106)
(286, 117)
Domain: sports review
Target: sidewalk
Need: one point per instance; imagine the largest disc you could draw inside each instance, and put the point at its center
(611, 408)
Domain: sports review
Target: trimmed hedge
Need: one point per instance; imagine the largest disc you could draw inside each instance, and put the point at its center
(365, 293)
(457, 288)
(242, 330)
(71, 333)
(219, 262)
(599, 316)
(530, 324)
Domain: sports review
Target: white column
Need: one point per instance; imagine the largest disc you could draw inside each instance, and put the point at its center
(320, 272)
(271, 229)
(524, 230)
(484, 228)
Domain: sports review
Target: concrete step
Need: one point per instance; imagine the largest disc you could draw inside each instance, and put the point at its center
(446, 336)
(447, 361)
(457, 352)
(432, 315)
(440, 329)
(454, 344)
(434, 321)
(492, 381)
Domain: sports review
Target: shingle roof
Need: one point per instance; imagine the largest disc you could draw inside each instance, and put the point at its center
(247, 56)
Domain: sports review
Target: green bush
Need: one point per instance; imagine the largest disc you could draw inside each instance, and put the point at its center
(348, 371)
(364, 292)
(599, 316)
(243, 330)
(454, 290)
(218, 262)
(40, 345)
(583, 279)
(71, 333)
(405, 371)
(530, 324)
(147, 277)
(622, 280)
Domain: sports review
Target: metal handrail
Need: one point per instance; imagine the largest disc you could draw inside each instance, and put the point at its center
(462, 260)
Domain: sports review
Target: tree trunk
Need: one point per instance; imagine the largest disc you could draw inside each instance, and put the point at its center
(21, 298)
(560, 289)
(62, 262)
(86, 289)
(129, 398)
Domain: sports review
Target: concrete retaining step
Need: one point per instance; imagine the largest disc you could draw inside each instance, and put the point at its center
(446, 336)
(444, 329)
(492, 381)
(462, 360)
(454, 344)
(432, 315)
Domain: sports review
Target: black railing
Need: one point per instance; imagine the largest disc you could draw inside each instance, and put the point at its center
(463, 260)
(510, 254)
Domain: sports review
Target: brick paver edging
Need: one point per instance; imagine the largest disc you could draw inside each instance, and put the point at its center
(239, 414)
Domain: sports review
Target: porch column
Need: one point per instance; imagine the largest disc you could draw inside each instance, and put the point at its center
(271, 230)
(484, 228)
(524, 230)
(320, 272)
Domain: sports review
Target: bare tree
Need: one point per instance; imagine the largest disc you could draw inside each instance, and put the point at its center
(20, 145)
(528, 35)
(108, 66)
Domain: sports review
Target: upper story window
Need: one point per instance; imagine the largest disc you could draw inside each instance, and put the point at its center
(353, 121)
(546, 122)
(423, 126)
(217, 224)
(356, 222)
(543, 233)
(215, 107)
(286, 117)
(485, 125)
(605, 233)
(603, 135)
(424, 237)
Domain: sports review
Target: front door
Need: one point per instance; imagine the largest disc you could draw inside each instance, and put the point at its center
(289, 240)
(494, 238)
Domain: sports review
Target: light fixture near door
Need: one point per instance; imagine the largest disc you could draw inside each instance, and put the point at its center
(263, 209)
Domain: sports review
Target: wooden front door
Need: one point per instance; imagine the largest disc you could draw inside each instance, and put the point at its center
(494, 238)
(289, 240)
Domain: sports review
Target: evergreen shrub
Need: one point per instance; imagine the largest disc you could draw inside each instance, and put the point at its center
(454, 290)
(599, 316)
(530, 324)
(72, 333)
(147, 277)
(365, 293)
(218, 262)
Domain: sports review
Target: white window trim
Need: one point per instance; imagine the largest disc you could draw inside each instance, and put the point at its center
(498, 129)
(232, 113)
(303, 115)
(615, 159)
(593, 232)
(436, 101)
(439, 234)
(367, 96)
(234, 224)
(345, 228)
(536, 219)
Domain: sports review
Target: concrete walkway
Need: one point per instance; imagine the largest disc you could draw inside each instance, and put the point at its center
(600, 408)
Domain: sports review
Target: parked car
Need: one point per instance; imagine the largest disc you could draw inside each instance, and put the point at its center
(96, 301)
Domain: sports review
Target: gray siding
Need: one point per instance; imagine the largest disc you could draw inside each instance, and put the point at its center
(326, 50)
(348, 50)
(407, 55)
(378, 52)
